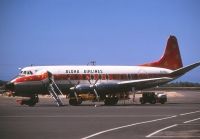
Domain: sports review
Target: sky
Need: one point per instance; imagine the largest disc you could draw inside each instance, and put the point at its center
(110, 32)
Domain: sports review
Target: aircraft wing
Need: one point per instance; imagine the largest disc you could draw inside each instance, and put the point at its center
(144, 83)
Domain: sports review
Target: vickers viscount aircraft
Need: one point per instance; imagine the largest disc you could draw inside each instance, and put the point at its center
(98, 83)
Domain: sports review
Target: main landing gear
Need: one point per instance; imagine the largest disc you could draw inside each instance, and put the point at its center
(30, 102)
(74, 99)
(111, 100)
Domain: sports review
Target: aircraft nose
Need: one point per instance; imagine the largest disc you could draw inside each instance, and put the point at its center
(10, 86)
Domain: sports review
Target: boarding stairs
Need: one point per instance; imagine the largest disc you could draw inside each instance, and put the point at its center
(55, 92)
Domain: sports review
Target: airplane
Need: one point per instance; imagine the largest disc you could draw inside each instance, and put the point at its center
(97, 83)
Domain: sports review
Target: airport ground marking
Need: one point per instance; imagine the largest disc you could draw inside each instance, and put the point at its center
(150, 135)
(189, 121)
(125, 126)
(112, 129)
(189, 113)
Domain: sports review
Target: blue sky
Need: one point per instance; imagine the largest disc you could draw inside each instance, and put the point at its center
(111, 32)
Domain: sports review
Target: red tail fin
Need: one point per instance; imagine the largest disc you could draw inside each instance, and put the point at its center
(171, 58)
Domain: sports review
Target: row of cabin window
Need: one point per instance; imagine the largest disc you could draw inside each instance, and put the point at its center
(106, 76)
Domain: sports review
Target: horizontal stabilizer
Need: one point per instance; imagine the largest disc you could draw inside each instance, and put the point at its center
(182, 71)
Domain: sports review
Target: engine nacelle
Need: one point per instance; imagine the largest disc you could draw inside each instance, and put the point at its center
(83, 88)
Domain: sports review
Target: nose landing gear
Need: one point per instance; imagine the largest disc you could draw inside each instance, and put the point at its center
(30, 102)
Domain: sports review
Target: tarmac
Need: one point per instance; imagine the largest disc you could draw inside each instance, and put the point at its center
(178, 118)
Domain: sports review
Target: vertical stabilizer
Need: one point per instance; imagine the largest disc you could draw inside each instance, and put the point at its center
(171, 58)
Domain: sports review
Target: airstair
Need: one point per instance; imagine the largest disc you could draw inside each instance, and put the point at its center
(55, 92)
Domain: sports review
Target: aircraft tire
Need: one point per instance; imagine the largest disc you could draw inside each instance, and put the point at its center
(74, 102)
(142, 101)
(110, 101)
(162, 101)
(31, 104)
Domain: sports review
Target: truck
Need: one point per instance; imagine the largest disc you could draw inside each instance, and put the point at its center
(153, 98)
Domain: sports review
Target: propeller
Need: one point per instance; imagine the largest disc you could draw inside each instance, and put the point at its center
(93, 87)
(74, 89)
(84, 88)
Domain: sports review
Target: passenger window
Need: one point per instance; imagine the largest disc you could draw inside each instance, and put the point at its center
(129, 76)
(100, 77)
(84, 77)
(107, 77)
(92, 76)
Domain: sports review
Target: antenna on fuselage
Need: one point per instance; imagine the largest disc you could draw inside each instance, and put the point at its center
(92, 63)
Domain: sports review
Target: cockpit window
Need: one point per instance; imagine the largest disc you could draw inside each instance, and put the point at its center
(29, 73)
(26, 73)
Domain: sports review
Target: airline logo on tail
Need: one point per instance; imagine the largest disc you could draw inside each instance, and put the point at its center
(171, 58)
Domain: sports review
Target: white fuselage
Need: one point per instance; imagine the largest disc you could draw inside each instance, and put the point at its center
(100, 73)
(98, 69)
